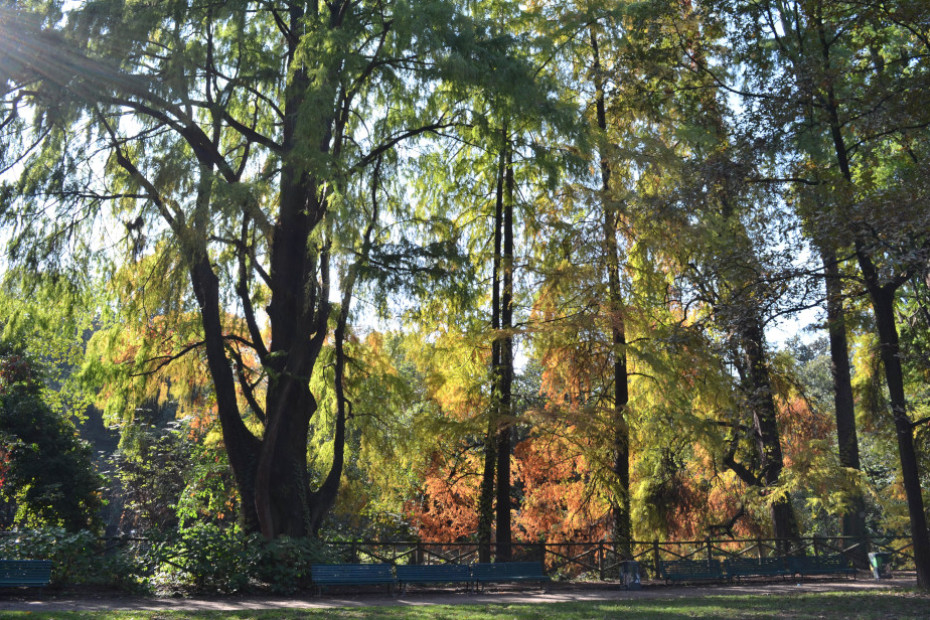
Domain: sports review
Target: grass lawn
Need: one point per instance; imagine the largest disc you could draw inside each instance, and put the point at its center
(888, 604)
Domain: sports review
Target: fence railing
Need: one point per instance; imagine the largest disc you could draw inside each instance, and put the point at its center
(598, 560)
(602, 560)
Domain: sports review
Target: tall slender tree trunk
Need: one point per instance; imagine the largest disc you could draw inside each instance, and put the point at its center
(622, 524)
(505, 419)
(844, 405)
(242, 446)
(486, 495)
(883, 300)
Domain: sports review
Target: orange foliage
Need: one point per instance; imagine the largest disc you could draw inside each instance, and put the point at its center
(446, 510)
(557, 505)
(551, 476)
(798, 426)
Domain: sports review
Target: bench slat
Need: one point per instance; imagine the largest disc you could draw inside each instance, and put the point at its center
(760, 567)
(820, 565)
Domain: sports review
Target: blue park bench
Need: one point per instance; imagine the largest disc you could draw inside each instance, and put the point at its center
(433, 573)
(755, 567)
(837, 564)
(690, 570)
(17, 573)
(506, 572)
(324, 575)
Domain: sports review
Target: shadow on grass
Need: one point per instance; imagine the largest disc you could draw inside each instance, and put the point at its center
(890, 604)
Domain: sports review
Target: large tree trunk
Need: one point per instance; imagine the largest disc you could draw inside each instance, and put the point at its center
(883, 297)
(848, 443)
(298, 315)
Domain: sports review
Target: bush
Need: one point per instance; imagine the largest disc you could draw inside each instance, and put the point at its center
(77, 557)
(47, 471)
(284, 566)
(206, 557)
(203, 558)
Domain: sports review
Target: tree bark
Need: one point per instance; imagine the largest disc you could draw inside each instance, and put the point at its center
(622, 525)
(765, 426)
(487, 494)
(883, 299)
(505, 415)
(844, 404)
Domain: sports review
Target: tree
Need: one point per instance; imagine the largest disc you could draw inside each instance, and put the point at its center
(845, 77)
(230, 136)
(578, 33)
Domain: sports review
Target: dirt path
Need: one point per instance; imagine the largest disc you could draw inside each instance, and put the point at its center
(76, 600)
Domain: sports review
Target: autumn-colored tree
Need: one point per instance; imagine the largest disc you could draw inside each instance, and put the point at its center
(230, 161)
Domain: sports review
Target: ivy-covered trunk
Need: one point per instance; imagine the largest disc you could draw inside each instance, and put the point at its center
(765, 428)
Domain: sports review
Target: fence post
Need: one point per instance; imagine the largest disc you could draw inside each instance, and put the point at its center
(759, 549)
(655, 557)
(710, 555)
(600, 558)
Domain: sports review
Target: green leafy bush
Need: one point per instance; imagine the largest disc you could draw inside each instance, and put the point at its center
(206, 557)
(203, 558)
(77, 557)
(46, 470)
(284, 564)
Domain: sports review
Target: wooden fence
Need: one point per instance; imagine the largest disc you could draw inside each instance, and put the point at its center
(601, 560)
(598, 560)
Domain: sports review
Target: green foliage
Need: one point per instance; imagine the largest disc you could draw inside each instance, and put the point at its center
(77, 557)
(715, 208)
(46, 469)
(169, 476)
(203, 558)
(208, 558)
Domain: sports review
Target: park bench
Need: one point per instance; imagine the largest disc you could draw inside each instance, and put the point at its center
(690, 570)
(755, 567)
(837, 564)
(324, 575)
(502, 572)
(433, 573)
(16, 573)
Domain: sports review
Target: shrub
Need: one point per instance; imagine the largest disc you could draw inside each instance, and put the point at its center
(206, 557)
(77, 557)
(202, 558)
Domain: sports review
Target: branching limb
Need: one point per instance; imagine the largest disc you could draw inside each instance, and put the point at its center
(248, 389)
(164, 360)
